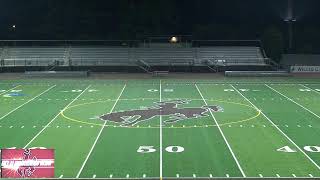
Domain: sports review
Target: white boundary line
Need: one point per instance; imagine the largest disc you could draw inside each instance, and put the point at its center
(224, 138)
(26, 102)
(275, 126)
(293, 101)
(161, 173)
(97, 138)
(309, 88)
(55, 118)
(9, 90)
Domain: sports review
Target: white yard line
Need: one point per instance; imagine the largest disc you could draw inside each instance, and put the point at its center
(278, 129)
(55, 117)
(160, 133)
(224, 138)
(97, 138)
(309, 88)
(9, 90)
(26, 102)
(293, 101)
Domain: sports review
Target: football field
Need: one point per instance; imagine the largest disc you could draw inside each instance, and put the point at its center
(162, 128)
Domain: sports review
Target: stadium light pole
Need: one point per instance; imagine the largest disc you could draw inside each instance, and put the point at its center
(14, 33)
(290, 20)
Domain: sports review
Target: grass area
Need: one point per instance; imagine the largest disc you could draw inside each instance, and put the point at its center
(167, 128)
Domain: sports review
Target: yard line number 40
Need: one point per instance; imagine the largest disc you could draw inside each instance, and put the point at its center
(287, 149)
(151, 149)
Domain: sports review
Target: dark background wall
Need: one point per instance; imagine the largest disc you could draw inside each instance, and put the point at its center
(135, 19)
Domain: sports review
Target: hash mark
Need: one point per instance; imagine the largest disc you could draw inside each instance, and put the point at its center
(61, 176)
(127, 176)
(94, 176)
(310, 175)
(294, 175)
(277, 175)
(194, 175)
(260, 175)
(227, 175)
(310, 125)
(177, 175)
(210, 175)
(11, 126)
(111, 175)
(144, 175)
(22, 126)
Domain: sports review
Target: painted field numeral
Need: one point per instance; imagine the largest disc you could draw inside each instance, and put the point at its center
(146, 149)
(287, 149)
(151, 149)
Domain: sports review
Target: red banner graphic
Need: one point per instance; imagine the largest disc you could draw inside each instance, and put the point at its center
(27, 163)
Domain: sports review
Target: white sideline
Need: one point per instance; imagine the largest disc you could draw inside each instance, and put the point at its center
(9, 90)
(309, 88)
(95, 142)
(224, 138)
(293, 101)
(55, 118)
(161, 173)
(278, 129)
(26, 102)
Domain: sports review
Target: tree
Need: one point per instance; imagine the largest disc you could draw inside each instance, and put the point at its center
(273, 43)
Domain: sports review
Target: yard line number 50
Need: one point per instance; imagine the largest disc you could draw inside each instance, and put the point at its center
(151, 149)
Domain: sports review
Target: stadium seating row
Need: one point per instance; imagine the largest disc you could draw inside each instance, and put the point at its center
(106, 56)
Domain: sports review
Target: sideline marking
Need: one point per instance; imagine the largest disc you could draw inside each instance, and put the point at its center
(225, 140)
(26, 102)
(95, 142)
(54, 119)
(160, 87)
(279, 129)
(9, 90)
(310, 88)
(293, 101)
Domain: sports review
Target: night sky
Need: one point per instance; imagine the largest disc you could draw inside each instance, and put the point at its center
(135, 19)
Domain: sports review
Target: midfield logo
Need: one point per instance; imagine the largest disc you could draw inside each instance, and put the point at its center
(169, 108)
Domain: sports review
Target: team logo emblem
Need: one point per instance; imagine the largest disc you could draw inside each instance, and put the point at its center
(169, 109)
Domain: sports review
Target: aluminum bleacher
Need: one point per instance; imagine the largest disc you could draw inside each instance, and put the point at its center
(33, 56)
(129, 56)
(99, 56)
(229, 56)
(165, 56)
